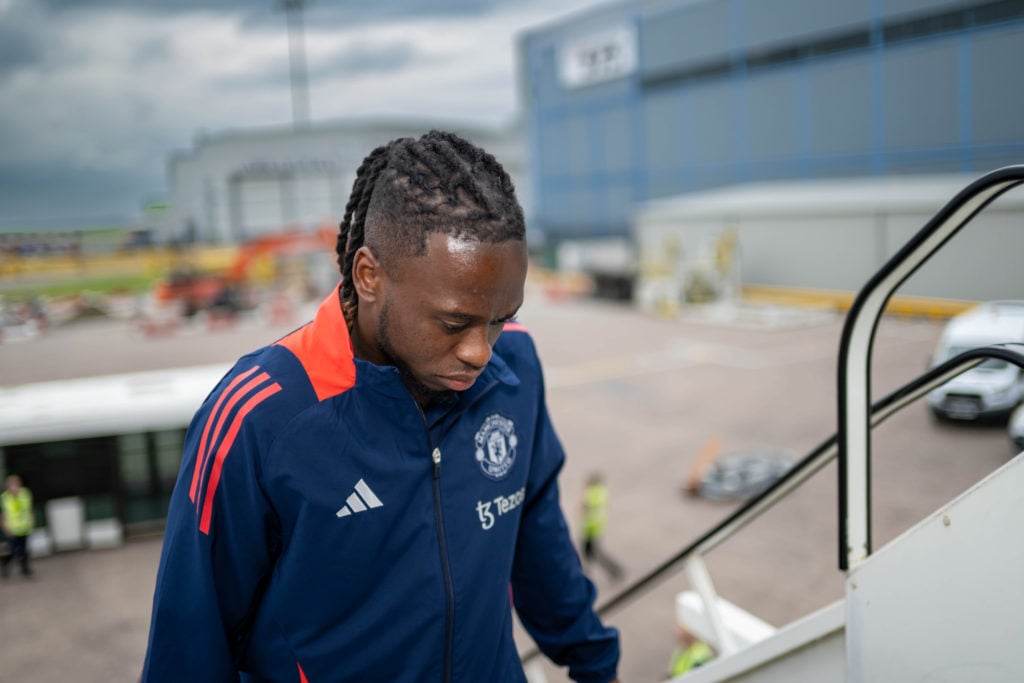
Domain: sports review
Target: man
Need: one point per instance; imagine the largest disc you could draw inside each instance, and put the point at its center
(357, 499)
(689, 654)
(595, 519)
(18, 520)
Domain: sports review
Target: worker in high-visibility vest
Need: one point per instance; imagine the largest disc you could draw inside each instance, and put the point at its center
(18, 519)
(595, 519)
(689, 654)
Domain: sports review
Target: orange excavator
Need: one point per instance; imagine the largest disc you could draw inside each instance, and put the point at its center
(226, 292)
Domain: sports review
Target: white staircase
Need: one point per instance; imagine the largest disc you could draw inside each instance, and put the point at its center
(941, 603)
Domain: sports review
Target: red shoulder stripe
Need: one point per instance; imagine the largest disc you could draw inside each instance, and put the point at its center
(225, 446)
(302, 674)
(222, 416)
(513, 327)
(201, 455)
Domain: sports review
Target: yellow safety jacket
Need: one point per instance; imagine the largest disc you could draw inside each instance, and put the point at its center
(595, 502)
(686, 660)
(17, 512)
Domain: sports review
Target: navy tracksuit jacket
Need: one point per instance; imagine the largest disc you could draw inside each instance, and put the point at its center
(323, 528)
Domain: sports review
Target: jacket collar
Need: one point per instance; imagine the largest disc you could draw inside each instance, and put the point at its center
(324, 348)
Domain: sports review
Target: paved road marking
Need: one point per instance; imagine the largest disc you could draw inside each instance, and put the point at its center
(677, 356)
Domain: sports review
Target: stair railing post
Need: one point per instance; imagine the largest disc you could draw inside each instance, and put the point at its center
(700, 580)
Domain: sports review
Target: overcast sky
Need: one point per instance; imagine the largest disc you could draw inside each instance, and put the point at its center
(95, 94)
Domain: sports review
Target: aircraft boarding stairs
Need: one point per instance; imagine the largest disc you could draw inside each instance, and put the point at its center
(939, 604)
(942, 602)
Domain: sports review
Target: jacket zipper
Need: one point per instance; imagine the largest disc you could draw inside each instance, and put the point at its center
(449, 590)
(449, 625)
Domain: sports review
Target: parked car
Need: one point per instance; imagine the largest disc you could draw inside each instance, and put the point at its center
(1016, 427)
(994, 388)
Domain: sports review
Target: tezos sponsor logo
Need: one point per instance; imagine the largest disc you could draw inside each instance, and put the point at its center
(496, 443)
(502, 505)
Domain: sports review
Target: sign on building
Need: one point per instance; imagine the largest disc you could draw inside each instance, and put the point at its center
(599, 57)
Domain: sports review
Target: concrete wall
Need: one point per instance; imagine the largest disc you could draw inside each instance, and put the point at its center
(835, 235)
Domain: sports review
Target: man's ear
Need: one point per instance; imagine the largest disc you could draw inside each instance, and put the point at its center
(366, 274)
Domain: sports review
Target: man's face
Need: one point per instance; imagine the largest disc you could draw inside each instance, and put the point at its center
(436, 317)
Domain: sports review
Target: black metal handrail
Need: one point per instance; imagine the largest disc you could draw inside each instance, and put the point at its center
(806, 467)
(854, 374)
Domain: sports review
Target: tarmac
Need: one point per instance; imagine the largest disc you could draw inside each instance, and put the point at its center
(636, 396)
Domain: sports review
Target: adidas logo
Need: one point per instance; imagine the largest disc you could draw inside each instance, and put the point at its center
(362, 498)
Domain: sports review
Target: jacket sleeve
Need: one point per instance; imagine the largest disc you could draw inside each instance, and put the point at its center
(220, 542)
(552, 596)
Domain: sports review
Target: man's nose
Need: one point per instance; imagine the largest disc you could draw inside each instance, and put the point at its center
(475, 347)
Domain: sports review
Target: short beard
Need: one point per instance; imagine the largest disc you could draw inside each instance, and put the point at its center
(423, 394)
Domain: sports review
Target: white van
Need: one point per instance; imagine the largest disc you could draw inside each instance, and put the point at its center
(992, 389)
(1016, 427)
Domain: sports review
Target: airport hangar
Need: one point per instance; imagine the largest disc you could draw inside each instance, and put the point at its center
(633, 108)
(236, 185)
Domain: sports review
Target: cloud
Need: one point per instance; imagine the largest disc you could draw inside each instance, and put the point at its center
(21, 43)
(47, 196)
(459, 67)
(120, 88)
(316, 12)
(367, 58)
(363, 58)
(16, 50)
(97, 94)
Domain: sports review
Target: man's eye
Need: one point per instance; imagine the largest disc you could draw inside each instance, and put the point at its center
(453, 328)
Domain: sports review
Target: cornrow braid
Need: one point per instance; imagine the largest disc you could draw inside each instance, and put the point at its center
(350, 232)
(410, 188)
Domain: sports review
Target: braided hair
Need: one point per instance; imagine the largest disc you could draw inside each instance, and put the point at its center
(410, 188)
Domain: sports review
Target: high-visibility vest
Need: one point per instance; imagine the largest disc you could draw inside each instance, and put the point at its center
(17, 511)
(595, 502)
(686, 660)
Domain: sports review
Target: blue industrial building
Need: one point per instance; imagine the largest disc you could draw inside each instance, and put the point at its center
(647, 99)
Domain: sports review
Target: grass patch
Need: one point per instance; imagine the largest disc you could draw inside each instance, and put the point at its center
(133, 283)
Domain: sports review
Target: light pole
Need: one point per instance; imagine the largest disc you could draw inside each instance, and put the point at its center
(297, 58)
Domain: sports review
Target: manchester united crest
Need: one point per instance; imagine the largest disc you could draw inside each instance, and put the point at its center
(496, 443)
